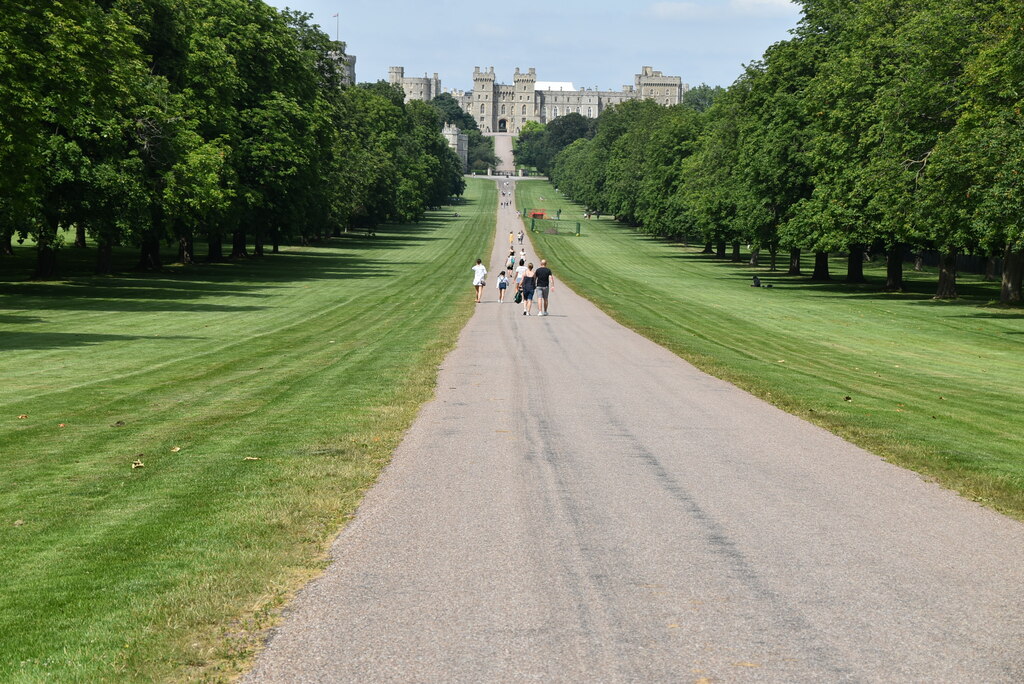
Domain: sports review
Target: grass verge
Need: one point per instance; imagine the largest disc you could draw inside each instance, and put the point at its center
(931, 385)
(262, 398)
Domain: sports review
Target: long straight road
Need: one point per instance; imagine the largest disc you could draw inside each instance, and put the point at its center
(578, 504)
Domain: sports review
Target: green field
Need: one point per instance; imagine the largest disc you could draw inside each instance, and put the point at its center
(934, 386)
(263, 397)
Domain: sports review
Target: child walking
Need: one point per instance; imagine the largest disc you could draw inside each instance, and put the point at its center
(502, 286)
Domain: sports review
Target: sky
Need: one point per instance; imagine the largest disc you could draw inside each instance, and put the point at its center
(589, 42)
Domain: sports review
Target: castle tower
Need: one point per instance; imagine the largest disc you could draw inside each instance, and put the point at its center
(396, 75)
(526, 105)
(482, 107)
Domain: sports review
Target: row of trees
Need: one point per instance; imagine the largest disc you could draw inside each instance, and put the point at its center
(890, 125)
(146, 121)
(538, 144)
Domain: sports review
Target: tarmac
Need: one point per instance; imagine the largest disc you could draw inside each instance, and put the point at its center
(579, 504)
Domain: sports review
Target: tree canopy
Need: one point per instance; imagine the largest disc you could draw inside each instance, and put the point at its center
(879, 126)
(143, 122)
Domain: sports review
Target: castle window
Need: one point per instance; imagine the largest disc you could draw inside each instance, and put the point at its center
(481, 109)
(590, 112)
(524, 110)
(502, 109)
(556, 112)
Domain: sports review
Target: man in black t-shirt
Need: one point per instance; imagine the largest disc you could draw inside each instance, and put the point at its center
(544, 281)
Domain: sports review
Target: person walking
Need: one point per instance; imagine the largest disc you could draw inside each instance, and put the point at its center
(479, 273)
(545, 281)
(502, 286)
(528, 287)
(520, 233)
(520, 270)
(511, 239)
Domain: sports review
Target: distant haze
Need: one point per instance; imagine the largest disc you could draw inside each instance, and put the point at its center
(593, 43)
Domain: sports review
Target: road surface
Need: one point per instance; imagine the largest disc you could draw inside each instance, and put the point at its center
(578, 504)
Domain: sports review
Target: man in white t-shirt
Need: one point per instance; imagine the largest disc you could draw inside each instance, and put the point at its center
(479, 273)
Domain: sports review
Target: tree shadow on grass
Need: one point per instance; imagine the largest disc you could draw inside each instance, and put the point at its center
(37, 341)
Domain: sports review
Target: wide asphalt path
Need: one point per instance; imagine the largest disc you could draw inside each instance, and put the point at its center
(579, 504)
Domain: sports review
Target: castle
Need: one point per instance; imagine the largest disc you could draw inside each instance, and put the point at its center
(501, 108)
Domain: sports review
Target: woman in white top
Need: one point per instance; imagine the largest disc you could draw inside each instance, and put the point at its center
(479, 273)
(520, 270)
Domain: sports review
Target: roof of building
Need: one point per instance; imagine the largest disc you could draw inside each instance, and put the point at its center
(554, 85)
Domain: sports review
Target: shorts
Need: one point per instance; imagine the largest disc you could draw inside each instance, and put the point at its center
(502, 286)
(528, 295)
(542, 292)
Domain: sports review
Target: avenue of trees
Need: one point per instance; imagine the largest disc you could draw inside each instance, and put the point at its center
(886, 126)
(224, 122)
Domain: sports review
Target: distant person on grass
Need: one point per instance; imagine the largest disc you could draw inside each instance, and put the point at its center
(528, 287)
(545, 281)
(479, 273)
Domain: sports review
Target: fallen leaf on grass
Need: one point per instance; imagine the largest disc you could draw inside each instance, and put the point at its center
(137, 464)
(23, 416)
(175, 450)
(251, 458)
(62, 425)
(19, 523)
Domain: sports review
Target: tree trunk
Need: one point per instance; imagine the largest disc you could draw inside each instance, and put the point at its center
(755, 256)
(6, 248)
(149, 253)
(736, 258)
(821, 267)
(46, 253)
(186, 249)
(80, 236)
(258, 244)
(215, 248)
(1013, 275)
(947, 275)
(794, 261)
(720, 249)
(707, 248)
(238, 250)
(919, 262)
(855, 265)
(773, 251)
(46, 263)
(104, 258)
(990, 268)
(894, 268)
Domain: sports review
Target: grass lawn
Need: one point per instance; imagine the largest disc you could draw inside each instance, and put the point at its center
(934, 386)
(262, 398)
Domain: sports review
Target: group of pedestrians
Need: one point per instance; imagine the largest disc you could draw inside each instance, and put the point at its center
(535, 285)
(530, 283)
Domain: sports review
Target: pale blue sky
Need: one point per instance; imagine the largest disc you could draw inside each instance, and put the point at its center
(591, 43)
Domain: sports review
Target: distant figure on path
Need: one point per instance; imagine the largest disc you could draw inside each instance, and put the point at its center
(520, 232)
(528, 286)
(479, 273)
(511, 238)
(544, 281)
